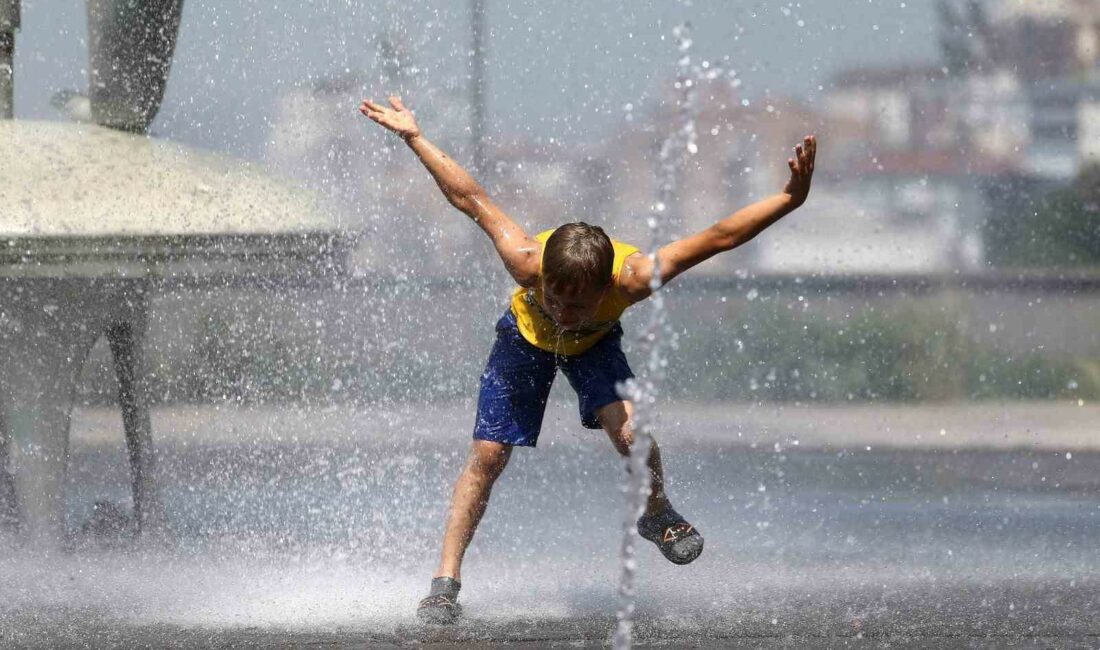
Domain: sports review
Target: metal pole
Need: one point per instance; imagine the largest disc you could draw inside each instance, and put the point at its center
(9, 24)
(477, 85)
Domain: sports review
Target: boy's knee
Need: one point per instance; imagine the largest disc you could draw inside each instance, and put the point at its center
(488, 459)
(617, 420)
(615, 416)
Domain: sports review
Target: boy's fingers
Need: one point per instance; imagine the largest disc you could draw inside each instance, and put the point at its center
(792, 165)
(371, 105)
(395, 101)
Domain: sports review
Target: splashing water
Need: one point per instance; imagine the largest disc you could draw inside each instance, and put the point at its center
(643, 392)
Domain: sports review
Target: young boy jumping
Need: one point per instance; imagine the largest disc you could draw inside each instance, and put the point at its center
(574, 283)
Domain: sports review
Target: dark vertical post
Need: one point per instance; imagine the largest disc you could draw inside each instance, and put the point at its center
(130, 49)
(9, 24)
(9, 506)
(127, 341)
(477, 86)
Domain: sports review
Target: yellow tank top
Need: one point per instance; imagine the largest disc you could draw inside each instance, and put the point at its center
(540, 330)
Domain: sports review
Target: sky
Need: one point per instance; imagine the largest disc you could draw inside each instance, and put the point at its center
(561, 69)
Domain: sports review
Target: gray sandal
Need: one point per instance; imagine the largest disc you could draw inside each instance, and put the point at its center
(441, 606)
(677, 539)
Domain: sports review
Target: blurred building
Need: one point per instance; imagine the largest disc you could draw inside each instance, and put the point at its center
(1064, 127)
(318, 135)
(740, 155)
(916, 157)
(1041, 56)
(918, 147)
(1044, 38)
(928, 152)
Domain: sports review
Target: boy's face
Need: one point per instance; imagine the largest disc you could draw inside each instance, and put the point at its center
(572, 307)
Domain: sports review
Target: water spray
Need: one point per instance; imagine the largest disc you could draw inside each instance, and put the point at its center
(675, 150)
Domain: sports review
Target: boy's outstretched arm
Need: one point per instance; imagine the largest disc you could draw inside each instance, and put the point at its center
(519, 252)
(729, 233)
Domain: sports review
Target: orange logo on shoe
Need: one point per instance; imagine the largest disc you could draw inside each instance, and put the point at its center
(677, 531)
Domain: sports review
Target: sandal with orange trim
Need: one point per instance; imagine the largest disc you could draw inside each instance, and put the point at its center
(674, 536)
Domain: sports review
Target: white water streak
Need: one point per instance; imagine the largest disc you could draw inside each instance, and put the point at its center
(643, 392)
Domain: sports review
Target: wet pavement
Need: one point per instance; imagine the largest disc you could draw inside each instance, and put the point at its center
(289, 536)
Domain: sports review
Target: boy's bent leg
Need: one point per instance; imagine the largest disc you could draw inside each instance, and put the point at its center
(617, 419)
(677, 540)
(486, 461)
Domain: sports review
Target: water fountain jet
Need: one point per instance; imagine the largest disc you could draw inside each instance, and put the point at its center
(675, 149)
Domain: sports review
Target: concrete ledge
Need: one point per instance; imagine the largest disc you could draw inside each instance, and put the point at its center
(1055, 426)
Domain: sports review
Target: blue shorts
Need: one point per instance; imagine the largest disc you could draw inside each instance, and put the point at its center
(517, 381)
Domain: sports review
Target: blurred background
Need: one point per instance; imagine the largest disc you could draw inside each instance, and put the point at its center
(949, 251)
(883, 412)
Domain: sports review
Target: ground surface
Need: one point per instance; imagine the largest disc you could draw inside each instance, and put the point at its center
(825, 527)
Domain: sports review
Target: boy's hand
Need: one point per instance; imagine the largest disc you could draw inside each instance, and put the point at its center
(398, 119)
(802, 170)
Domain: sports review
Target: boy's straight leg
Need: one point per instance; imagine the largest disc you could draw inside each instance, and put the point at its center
(617, 419)
(510, 407)
(486, 461)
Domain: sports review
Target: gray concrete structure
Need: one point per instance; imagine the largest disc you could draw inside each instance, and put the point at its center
(93, 220)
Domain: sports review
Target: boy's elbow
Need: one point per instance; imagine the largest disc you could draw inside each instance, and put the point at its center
(725, 239)
(461, 202)
(467, 198)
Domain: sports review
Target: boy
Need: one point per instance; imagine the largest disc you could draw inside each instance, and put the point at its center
(574, 283)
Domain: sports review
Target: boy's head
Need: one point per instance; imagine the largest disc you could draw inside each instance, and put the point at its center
(576, 272)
